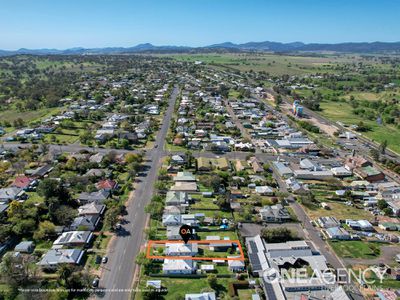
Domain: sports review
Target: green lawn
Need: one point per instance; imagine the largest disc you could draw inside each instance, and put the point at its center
(245, 294)
(28, 116)
(356, 249)
(202, 202)
(170, 147)
(342, 111)
(338, 210)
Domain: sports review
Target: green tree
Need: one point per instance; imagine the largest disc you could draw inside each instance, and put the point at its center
(212, 280)
(51, 188)
(278, 235)
(111, 217)
(151, 293)
(387, 211)
(17, 270)
(382, 204)
(382, 146)
(46, 230)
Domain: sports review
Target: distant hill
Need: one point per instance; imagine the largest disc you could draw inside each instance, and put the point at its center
(375, 47)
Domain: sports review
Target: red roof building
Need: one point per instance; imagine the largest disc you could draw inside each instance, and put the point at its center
(107, 184)
(22, 182)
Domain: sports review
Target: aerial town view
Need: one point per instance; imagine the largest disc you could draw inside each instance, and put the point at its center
(252, 152)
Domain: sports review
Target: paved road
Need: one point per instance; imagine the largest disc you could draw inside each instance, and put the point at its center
(118, 272)
(236, 120)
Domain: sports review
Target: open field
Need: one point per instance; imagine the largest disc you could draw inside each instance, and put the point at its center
(28, 116)
(342, 111)
(341, 210)
(356, 249)
(56, 65)
(271, 63)
(369, 96)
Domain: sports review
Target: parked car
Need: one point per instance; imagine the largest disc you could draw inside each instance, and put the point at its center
(95, 282)
(98, 259)
(104, 259)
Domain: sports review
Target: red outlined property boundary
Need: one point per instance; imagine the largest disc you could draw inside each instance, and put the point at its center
(199, 242)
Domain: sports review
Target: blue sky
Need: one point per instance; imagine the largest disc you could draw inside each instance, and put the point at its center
(103, 23)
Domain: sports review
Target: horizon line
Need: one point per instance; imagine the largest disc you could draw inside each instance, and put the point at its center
(204, 46)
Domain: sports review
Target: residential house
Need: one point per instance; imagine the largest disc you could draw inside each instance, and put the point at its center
(171, 220)
(107, 185)
(175, 249)
(189, 219)
(96, 158)
(337, 233)
(264, 190)
(97, 197)
(296, 187)
(328, 222)
(176, 198)
(55, 257)
(74, 239)
(24, 182)
(173, 233)
(178, 160)
(275, 213)
(256, 165)
(236, 265)
(185, 177)
(95, 173)
(179, 266)
(12, 193)
(91, 209)
(25, 247)
(39, 172)
(85, 223)
(132, 137)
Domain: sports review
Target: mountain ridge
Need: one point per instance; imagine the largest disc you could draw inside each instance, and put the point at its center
(265, 46)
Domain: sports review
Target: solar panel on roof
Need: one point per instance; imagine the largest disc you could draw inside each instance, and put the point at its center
(269, 291)
(255, 261)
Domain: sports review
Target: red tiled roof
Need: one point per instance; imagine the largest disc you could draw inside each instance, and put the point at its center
(107, 184)
(22, 182)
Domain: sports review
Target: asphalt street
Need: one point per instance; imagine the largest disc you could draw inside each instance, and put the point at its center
(117, 275)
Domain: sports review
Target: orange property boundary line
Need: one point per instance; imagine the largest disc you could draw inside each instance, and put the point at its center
(206, 242)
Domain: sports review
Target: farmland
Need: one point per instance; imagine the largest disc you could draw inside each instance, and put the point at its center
(271, 63)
